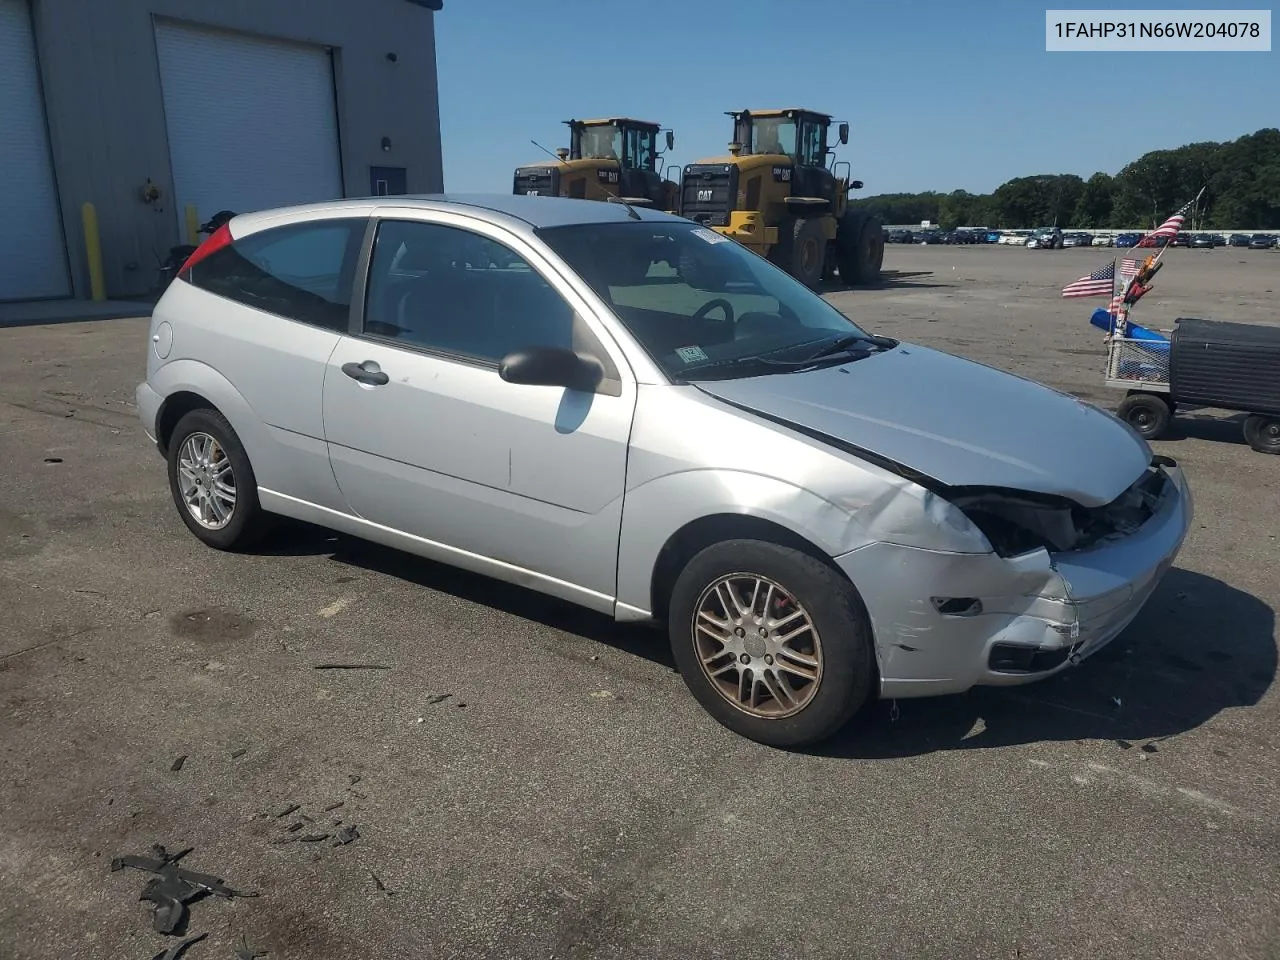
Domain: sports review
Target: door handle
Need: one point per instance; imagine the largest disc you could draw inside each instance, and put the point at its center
(367, 372)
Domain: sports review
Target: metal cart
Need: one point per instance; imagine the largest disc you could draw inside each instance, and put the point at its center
(1204, 363)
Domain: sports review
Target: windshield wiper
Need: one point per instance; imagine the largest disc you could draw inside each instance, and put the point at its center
(838, 345)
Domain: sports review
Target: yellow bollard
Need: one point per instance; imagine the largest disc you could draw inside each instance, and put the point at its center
(93, 252)
(193, 225)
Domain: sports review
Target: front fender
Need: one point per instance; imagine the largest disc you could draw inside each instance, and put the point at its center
(654, 511)
(192, 376)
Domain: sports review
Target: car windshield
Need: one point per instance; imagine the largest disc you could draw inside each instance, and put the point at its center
(701, 305)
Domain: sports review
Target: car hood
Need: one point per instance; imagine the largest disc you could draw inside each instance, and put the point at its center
(956, 421)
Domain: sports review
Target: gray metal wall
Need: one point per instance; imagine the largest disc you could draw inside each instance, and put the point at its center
(106, 115)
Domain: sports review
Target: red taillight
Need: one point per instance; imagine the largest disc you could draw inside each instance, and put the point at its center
(217, 240)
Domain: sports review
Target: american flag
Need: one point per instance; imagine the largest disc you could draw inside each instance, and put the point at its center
(1170, 227)
(1128, 270)
(1097, 284)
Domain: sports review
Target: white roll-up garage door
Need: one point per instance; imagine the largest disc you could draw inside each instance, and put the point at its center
(251, 121)
(33, 253)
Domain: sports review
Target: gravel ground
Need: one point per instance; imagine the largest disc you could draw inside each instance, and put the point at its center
(531, 781)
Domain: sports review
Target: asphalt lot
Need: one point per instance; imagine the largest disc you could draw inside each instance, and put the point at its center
(535, 781)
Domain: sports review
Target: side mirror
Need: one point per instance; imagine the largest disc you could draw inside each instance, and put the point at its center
(855, 184)
(551, 367)
(671, 141)
(844, 133)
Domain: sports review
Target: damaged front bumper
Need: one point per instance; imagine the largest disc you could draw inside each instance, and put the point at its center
(946, 622)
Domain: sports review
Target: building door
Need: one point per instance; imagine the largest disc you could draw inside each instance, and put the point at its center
(387, 182)
(252, 122)
(33, 251)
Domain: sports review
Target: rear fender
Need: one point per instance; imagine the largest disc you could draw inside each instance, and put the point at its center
(192, 376)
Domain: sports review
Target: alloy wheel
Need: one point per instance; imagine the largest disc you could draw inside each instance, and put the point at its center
(757, 646)
(206, 481)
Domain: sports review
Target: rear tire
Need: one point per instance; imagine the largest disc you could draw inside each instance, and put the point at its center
(860, 248)
(1263, 433)
(1147, 413)
(810, 670)
(213, 484)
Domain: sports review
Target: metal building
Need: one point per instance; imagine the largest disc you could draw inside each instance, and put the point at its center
(144, 108)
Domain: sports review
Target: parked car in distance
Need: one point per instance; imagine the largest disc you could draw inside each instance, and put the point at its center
(1239, 240)
(1128, 239)
(1045, 238)
(929, 237)
(1103, 241)
(524, 387)
(1181, 240)
(901, 236)
(1262, 241)
(993, 236)
(1204, 241)
(1077, 240)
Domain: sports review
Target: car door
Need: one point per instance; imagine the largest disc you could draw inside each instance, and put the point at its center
(283, 301)
(426, 438)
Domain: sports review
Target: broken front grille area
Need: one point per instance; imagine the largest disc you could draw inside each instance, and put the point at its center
(1017, 522)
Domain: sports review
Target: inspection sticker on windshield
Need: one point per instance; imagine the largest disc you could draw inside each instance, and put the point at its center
(690, 354)
(709, 235)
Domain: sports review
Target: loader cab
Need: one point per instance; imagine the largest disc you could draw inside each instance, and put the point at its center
(633, 145)
(799, 135)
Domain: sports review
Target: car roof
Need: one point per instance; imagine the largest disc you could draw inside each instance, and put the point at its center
(515, 210)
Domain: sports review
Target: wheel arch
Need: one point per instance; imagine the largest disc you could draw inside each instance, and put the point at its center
(696, 535)
(188, 385)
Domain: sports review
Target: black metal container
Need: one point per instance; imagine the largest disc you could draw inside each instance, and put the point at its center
(1231, 366)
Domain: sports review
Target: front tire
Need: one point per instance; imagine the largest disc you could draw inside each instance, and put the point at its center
(212, 482)
(1146, 413)
(808, 252)
(772, 642)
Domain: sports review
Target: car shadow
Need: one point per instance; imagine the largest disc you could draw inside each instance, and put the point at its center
(1199, 647)
(295, 538)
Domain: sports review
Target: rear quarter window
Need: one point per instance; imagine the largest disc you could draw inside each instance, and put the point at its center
(303, 272)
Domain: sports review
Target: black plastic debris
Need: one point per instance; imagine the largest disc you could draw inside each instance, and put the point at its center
(346, 835)
(438, 698)
(351, 666)
(354, 778)
(52, 459)
(172, 888)
(287, 810)
(237, 754)
(177, 764)
(314, 837)
(334, 806)
(179, 948)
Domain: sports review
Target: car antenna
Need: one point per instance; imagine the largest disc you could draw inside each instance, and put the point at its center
(630, 209)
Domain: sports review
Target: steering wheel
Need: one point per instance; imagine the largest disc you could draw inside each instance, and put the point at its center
(710, 305)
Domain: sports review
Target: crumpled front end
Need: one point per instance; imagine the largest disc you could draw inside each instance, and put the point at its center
(1061, 583)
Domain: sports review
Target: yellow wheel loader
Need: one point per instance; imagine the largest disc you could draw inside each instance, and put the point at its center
(611, 159)
(776, 194)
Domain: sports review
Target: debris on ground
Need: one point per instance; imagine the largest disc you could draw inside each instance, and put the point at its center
(334, 806)
(287, 810)
(172, 888)
(244, 952)
(313, 837)
(174, 952)
(346, 835)
(237, 754)
(177, 764)
(351, 666)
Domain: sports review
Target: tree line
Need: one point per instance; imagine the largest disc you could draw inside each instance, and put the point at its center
(1241, 180)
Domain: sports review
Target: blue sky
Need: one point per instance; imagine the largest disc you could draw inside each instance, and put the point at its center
(941, 94)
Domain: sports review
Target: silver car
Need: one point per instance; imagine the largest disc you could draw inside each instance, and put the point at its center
(626, 410)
